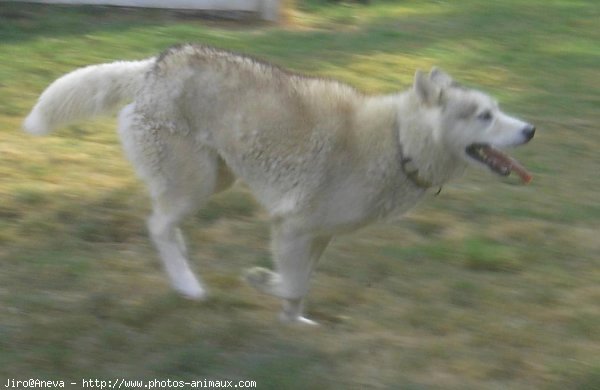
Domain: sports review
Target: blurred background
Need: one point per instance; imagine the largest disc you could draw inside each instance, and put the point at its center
(487, 286)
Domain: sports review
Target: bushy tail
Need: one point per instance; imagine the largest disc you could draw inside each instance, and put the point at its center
(84, 93)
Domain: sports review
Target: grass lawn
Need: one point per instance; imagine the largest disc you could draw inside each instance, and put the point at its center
(487, 286)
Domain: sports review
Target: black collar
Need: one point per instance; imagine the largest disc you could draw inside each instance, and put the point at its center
(411, 174)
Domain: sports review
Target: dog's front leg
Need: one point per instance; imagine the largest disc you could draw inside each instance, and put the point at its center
(295, 256)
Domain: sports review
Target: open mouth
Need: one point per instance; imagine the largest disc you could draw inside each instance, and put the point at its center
(497, 161)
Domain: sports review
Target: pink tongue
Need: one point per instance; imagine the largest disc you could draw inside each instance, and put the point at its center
(500, 159)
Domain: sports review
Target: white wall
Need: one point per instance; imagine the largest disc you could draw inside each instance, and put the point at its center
(268, 9)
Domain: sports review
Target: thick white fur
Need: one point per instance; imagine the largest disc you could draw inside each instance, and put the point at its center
(321, 157)
(84, 93)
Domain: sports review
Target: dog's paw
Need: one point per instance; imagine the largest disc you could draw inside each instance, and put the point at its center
(191, 289)
(297, 320)
(261, 279)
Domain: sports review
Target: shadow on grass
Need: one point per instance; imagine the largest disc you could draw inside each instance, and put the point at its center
(20, 22)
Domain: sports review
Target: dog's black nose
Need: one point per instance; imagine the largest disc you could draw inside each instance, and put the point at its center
(529, 132)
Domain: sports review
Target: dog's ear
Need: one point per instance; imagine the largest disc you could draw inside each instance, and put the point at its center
(428, 92)
(440, 78)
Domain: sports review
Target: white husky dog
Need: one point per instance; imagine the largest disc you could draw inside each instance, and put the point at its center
(320, 156)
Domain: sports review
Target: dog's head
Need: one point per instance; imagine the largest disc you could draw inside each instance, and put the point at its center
(471, 123)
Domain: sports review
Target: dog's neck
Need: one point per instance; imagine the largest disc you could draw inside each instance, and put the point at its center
(422, 157)
(407, 166)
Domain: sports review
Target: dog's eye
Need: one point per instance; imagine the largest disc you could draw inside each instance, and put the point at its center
(485, 116)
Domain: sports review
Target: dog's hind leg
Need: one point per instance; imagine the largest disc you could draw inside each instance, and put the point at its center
(171, 206)
(295, 256)
(181, 175)
(168, 240)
